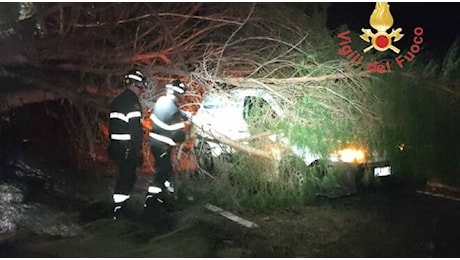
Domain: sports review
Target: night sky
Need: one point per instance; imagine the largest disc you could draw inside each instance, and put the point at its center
(440, 21)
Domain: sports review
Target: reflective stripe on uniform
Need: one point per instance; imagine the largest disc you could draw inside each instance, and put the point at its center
(154, 190)
(134, 114)
(177, 89)
(168, 186)
(118, 198)
(120, 137)
(163, 139)
(125, 117)
(165, 126)
(138, 78)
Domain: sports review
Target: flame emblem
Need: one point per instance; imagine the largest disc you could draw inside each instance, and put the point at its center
(381, 20)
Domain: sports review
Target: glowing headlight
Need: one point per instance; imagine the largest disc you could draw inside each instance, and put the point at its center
(349, 155)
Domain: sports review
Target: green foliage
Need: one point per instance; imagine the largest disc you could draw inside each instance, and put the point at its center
(259, 185)
(419, 111)
(407, 114)
(401, 117)
(451, 64)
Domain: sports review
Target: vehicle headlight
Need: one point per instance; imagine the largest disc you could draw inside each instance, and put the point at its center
(349, 155)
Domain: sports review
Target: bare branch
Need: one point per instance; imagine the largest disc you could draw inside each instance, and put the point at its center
(233, 35)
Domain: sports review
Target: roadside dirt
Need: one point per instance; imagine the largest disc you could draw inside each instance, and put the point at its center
(395, 223)
(392, 222)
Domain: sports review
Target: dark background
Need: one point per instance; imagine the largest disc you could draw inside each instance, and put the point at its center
(440, 21)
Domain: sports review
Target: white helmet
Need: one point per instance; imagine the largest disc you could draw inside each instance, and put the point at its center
(175, 87)
(135, 77)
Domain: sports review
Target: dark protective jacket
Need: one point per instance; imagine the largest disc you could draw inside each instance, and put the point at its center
(168, 121)
(125, 129)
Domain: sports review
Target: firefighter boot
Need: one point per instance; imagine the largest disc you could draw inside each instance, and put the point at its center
(119, 210)
(153, 200)
(168, 186)
(152, 197)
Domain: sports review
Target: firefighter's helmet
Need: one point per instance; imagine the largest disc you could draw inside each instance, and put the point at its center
(175, 87)
(136, 77)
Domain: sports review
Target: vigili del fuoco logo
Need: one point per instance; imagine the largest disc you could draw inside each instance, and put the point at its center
(380, 40)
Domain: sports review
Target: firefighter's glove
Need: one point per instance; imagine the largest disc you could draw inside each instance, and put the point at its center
(188, 126)
(187, 115)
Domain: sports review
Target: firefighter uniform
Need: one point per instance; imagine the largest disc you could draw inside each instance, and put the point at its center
(126, 136)
(168, 129)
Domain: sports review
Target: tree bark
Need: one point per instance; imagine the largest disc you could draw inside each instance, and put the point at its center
(240, 147)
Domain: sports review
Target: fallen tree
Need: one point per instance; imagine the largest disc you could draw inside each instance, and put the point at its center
(79, 51)
(82, 49)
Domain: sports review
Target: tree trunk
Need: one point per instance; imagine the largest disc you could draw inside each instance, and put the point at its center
(240, 147)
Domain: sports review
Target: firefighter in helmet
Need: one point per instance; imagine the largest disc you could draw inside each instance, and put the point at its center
(170, 126)
(126, 136)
